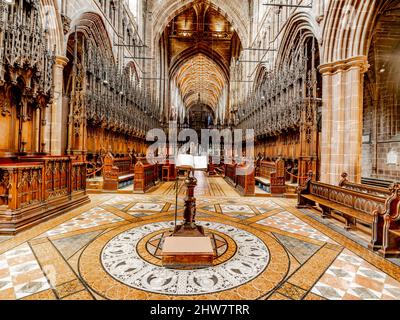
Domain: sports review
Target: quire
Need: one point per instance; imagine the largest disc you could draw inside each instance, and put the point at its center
(199, 150)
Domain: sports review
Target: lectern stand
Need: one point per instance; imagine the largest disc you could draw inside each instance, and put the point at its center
(188, 246)
(189, 227)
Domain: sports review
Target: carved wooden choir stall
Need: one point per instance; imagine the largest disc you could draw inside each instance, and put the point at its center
(106, 106)
(117, 173)
(35, 189)
(285, 109)
(272, 175)
(33, 186)
(359, 205)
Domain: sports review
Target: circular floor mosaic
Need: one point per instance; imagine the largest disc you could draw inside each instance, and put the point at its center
(120, 259)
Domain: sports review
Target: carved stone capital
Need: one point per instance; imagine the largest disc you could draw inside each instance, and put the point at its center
(61, 61)
(360, 62)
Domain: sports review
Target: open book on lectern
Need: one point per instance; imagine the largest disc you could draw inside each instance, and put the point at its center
(189, 162)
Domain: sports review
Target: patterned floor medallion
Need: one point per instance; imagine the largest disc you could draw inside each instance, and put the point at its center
(121, 260)
(265, 249)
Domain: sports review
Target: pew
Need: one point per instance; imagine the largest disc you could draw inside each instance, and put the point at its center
(35, 189)
(220, 170)
(117, 172)
(245, 177)
(391, 225)
(376, 182)
(212, 170)
(241, 177)
(272, 175)
(146, 176)
(230, 174)
(363, 188)
(357, 203)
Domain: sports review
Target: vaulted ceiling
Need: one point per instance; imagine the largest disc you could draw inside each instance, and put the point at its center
(200, 77)
(201, 44)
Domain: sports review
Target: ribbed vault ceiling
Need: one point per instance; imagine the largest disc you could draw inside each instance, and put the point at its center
(200, 46)
(200, 74)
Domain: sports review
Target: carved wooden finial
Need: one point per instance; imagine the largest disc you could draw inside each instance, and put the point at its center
(395, 188)
(344, 179)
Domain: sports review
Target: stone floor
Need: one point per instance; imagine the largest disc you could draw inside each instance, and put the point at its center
(265, 248)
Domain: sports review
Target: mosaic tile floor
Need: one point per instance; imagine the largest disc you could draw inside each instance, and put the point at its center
(267, 249)
(94, 218)
(288, 222)
(20, 274)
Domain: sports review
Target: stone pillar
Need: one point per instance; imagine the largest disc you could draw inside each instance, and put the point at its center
(342, 119)
(57, 124)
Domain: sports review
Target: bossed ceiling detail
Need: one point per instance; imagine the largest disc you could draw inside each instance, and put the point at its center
(200, 77)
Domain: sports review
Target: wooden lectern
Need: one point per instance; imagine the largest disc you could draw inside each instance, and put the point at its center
(188, 246)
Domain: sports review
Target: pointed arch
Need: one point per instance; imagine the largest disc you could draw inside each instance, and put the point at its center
(92, 26)
(299, 27)
(348, 28)
(50, 14)
(261, 75)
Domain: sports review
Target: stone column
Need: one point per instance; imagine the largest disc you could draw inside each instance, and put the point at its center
(342, 119)
(57, 124)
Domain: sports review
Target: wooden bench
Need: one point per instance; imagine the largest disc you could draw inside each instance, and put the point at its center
(220, 170)
(168, 171)
(391, 225)
(272, 176)
(230, 174)
(245, 177)
(241, 177)
(376, 182)
(363, 188)
(353, 205)
(117, 172)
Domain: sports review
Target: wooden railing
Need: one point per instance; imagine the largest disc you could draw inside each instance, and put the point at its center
(33, 189)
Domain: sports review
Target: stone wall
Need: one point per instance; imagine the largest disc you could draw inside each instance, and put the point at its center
(381, 103)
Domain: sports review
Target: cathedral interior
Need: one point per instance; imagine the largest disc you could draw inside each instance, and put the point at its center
(303, 205)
